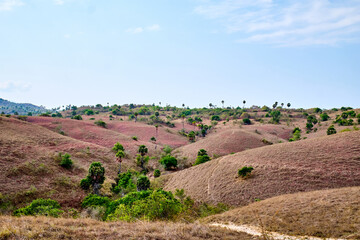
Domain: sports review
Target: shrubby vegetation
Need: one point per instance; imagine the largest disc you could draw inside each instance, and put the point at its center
(40, 207)
(66, 161)
(202, 157)
(245, 171)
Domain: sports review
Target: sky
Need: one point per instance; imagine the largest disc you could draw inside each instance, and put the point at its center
(196, 52)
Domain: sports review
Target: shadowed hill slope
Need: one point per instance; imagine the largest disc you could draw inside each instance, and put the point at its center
(327, 162)
(332, 213)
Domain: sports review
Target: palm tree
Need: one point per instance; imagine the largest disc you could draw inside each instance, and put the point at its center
(288, 105)
(282, 105)
(244, 102)
(223, 103)
(183, 105)
(211, 105)
(119, 155)
(143, 151)
(136, 115)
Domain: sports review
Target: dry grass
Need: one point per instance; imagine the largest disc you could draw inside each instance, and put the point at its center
(315, 164)
(52, 228)
(326, 213)
(29, 166)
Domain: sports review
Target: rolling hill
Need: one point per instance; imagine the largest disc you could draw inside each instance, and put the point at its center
(314, 164)
(21, 108)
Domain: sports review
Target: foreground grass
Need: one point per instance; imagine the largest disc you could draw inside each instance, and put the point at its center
(327, 213)
(60, 228)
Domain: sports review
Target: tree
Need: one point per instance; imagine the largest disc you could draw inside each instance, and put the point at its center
(244, 102)
(275, 116)
(222, 102)
(324, 116)
(157, 173)
(183, 120)
(136, 115)
(282, 105)
(119, 155)
(95, 177)
(246, 121)
(156, 134)
(143, 183)
(141, 159)
(211, 105)
(275, 105)
(168, 162)
(117, 147)
(191, 136)
(331, 130)
(288, 105)
(202, 157)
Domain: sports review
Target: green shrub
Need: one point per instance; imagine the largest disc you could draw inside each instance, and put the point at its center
(135, 138)
(125, 182)
(43, 207)
(100, 123)
(89, 112)
(66, 161)
(331, 130)
(245, 171)
(85, 183)
(157, 173)
(143, 183)
(246, 121)
(275, 115)
(215, 118)
(168, 162)
(202, 157)
(324, 117)
(77, 117)
(191, 136)
(93, 200)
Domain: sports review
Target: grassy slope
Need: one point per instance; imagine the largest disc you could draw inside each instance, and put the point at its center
(332, 213)
(28, 167)
(116, 131)
(327, 162)
(52, 228)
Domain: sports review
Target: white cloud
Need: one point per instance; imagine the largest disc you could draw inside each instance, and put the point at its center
(137, 30)
(9, 86)
(155, 27)
(59, 2)
(308, 22)
(8, 5)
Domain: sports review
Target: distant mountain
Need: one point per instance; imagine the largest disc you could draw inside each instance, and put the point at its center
(8, 107)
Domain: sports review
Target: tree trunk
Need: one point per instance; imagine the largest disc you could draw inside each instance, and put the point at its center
(119, 168)
(96, 188)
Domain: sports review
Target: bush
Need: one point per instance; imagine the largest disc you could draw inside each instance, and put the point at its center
(93, 200)
(246, 121)
(66, 161)
(100, 123)
(275, 116)
(215, 118)
(143, 183)
(168, 162)
(245, 171)
(43, 207)
(125, 182)
(89, 112)
(331, 130)
(157, 173)
(324, 117)
(135, 138)
(202, 157)
(85, 183)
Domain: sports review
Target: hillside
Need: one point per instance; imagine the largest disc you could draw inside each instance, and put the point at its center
(21, 108)
(332, 213)
(29, 166)
(314, 164)
(234, 139)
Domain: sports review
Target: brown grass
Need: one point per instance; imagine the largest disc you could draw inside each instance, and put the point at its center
(326, 213)
(327, 162)
(52, 228)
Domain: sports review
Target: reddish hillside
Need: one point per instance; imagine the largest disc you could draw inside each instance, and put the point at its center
(327, 162)
(29, 167)
(226, 140)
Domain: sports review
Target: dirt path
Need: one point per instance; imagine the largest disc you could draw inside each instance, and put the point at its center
(256, 231)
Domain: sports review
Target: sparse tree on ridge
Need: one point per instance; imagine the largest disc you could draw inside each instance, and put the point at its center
(282, 105)
(119, 155)
(275, 105)
(183, 121)
(136, 115)
(288, 105)
(244, 102)
(156, 134)
(223, 103)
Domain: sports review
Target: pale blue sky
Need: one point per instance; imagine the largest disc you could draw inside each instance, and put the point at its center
(57, 52)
